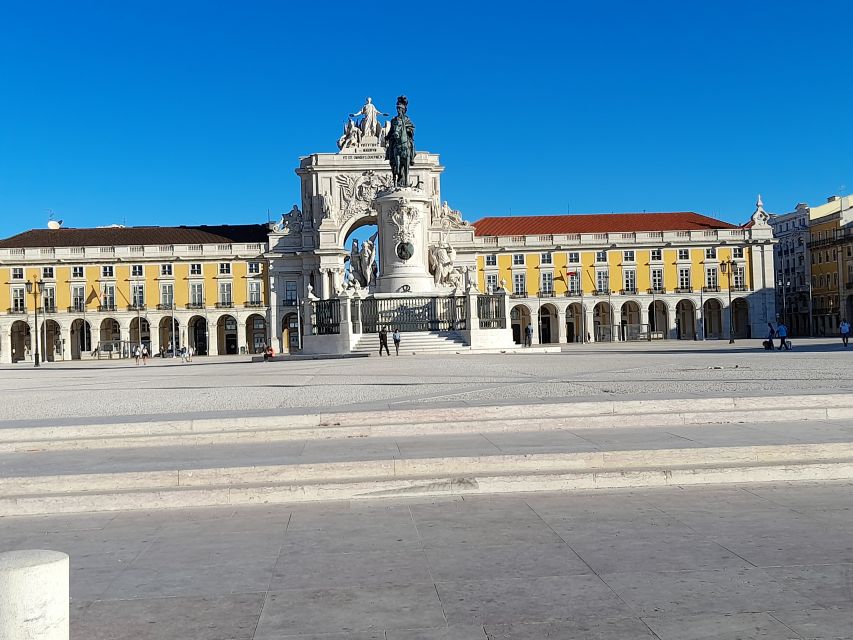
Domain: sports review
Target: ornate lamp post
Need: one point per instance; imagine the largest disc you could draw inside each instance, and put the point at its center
(727, 266)
(35, 288)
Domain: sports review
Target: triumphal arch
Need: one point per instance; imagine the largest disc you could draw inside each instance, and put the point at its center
(416, 273)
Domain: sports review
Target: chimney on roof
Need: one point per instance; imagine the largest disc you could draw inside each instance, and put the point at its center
(833, 198)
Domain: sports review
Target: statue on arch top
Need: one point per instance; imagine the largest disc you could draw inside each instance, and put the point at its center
(400, 144)
(369, 124)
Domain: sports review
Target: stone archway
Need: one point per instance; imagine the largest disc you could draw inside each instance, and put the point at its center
(226, 335)
(574, 322)
(140, 333)
(602, 322)
(659, 319)
(685, 320)
(198, 335)
(712, 319)
(81, 339)
(51, 341)
(256, 333)
(21, 341)
(290, 337)
(629, 325)
(170, 336)
(740, 318)
(109, 337)
(519, 318)
(548, 330)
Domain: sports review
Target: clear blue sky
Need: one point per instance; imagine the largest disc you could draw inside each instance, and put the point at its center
(196, 112)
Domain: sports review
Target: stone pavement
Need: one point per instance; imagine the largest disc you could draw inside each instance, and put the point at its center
(100, 391)
(758, 561)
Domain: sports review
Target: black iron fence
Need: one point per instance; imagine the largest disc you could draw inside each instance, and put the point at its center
(325, 317)
(492, 312)
(409, 314)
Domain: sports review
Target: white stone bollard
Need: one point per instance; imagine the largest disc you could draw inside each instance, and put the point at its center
(34, 595)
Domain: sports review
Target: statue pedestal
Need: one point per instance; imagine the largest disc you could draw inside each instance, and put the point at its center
(404, 219)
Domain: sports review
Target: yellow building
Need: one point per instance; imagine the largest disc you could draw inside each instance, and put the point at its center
(630, 276)
(830, 227)
(99, 292)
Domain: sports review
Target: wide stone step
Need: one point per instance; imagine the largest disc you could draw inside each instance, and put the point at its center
(533, 417)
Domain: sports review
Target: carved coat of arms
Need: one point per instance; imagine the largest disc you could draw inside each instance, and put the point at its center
(357, 193)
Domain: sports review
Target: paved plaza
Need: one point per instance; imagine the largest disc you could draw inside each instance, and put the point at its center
(769, 560)
(236, 386)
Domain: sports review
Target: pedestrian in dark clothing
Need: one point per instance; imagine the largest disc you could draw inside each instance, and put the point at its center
(383, 341)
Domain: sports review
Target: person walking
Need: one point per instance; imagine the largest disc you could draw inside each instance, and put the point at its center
(396, 337)
(528, 335)
(771, 333)
(844, 328)
(383, 341)
(137, 354)
(190, 353)
(144, 355)
(782, 332)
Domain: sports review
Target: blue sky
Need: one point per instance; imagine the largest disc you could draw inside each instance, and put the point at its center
(196, 112)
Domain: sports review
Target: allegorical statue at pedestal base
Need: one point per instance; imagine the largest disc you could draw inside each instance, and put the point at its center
(400, 143)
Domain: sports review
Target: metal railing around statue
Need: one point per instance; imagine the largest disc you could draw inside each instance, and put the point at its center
(410, 314)
(492, 312)
(623, 332)
(325, 317)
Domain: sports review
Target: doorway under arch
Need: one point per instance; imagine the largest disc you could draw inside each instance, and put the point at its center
(21, 340)
(519, 317)
(548, 331)
(740, 318)
(256, 333)
(602, 322)
(659, 318)
(630, 321)
(574, 323)
(51, 341)
(81, 338)
(170, 336)
(140, 333)
(197, 335)
(712, 319)
(226, 336)
(110, 336)
(685, 320)
(290, 333)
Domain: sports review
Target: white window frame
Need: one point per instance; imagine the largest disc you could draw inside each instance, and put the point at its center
(684, 254)
(137, 294)
(629, 280)
(684, 278)
(601, 256)
(712, 278)
(255, 293)
(226, 292)
(253, 268)
(167, 295)
(656, 279)
(78, 272)
(629, 255)
(47, 273)
(78, 297)
(710, 253)
(602, 280)
(17, 273)
(19, 299)
(197, 288)
(108, 296)
(137, 271)
(519, 284)
(737, 252)
(225, 268)
(107, 271)
(491, 282)
(656, 255)
(546, 282)
(291, 286)
(166, 270)
(546, 258)
(517, 259)
(491, 260)
(574, 257)
(195, 269)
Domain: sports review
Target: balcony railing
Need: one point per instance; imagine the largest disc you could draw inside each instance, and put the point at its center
(253, 304)
(17, 310)
(195, 305)
(77, 307)
(289, 302)
(107, 307)
(684, 290)
(710, 289)
(656, 290)
(628, 292)
(573, 293)
(225, 305)
(740, 287)
(48, 308)
(165, 307)
(136, 307)
(546, 294)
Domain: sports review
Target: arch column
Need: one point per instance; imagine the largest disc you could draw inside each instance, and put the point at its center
(590, 324)
(562, 334)
(155, 335)
(6, 346)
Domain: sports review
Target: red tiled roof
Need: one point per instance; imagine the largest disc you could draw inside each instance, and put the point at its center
(596, 223)
(123, 236)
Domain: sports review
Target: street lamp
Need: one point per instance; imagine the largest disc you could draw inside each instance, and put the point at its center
(35, 287)
(727, 266)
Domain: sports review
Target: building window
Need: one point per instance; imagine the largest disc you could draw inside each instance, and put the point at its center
(17, 273)
(137, 270)
(517, 258)
(197, 294)
(684, 254)
(835, 279)
(108, 300)
(546, 285)
(107, 271)
(491, 282)
(491, 260)
(165, 269)
(137, 295)
(290, 292)
(739, 280)
(545, 258)
(629, 278)
(711, 280)
(78, 298)
(195, 268)
(657, 280)
(225, 293)
(49, 299)
(19, 301)
(76, 272)
(627, 256)
(519, 284)
(254, 268)
(711, 253)
(225, 268)
(684, 278)
(574, 282)
(255, 292)
(601, 256)
(602, 281)
(657, 255)
(167, 295)
(47, 273)
(574, 257)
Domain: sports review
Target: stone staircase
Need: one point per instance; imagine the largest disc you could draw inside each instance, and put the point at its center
(415, 342)
(423, 452)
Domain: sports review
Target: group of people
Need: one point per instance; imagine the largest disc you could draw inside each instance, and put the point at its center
(781, 332)
(383, 341)
(141, 353)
